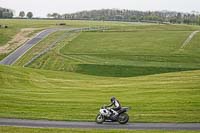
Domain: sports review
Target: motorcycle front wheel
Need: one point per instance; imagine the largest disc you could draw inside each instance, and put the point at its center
(123, 118)
(100, 119)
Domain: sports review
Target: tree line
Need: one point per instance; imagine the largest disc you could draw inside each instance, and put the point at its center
(131, 16)
(22, 14)
(6, 13)
(117, 15)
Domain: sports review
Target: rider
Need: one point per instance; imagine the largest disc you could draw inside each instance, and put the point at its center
(116, 104)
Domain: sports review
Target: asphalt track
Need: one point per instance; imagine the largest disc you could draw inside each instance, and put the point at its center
(93, 125)
(14, 56)
(189, 39)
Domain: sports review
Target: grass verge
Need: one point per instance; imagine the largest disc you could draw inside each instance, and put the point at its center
(40, 94)
(122, 54)
(54, 130)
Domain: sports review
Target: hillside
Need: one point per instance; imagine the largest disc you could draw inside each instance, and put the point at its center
(134, 51)
(41, 94)
(141, 64)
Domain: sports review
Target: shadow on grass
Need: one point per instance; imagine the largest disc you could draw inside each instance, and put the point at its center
(123, 71)
(2, 56)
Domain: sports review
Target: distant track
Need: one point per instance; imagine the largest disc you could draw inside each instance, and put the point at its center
(14, 56)
(189, 39)
(93, 125)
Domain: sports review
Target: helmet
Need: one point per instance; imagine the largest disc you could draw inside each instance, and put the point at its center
(112, 99)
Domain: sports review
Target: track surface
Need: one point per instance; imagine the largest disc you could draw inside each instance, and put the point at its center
(189, 39)
(14, 56)
(93, 125)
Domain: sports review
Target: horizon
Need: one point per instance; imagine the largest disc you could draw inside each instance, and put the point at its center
(62, 6)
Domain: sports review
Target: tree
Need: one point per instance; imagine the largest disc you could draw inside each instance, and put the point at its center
(132, 15)
(22, 14)
(6, 13)
(11, 14)
(56, 15)
(179, 18)
(29, 15)
(199, 19)
(49, 15)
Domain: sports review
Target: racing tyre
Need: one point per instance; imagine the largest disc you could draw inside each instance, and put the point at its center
(100, 119)
(123, 118)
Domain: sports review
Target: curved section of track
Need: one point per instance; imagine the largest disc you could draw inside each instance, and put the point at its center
(93, 125)
(186, 42)
(14, 56)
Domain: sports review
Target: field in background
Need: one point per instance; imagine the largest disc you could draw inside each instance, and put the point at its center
(16, 25)
(121, 53)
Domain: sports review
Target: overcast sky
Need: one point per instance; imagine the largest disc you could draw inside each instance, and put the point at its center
(40, 8)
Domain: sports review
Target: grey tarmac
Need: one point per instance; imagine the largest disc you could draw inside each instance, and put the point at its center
(14, 56)
(93, 125)
(186, 42)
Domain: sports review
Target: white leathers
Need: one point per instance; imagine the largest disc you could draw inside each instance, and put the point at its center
(116, 103)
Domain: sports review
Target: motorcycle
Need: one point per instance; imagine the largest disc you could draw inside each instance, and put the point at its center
(107, 115)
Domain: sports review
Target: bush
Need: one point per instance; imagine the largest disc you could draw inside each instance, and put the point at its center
(3, 26)
(62, 24)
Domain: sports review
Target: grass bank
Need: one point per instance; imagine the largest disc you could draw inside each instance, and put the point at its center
(54, 130)
(122, 54)
(41, 94)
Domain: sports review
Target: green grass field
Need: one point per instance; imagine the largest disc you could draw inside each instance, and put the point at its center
(40, 94)
(44, 45)
(15, 25)
(122, 54)
(53, 130)
(39, 48)
(141, 64)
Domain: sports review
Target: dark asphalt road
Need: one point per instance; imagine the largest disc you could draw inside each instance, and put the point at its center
(14, 56)
(93, 125)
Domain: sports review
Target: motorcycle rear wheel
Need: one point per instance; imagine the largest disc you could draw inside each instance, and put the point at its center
(100, 119)
(123, 118)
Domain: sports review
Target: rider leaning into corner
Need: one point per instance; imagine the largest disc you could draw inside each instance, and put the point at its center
(113, 113)
(116, 106)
